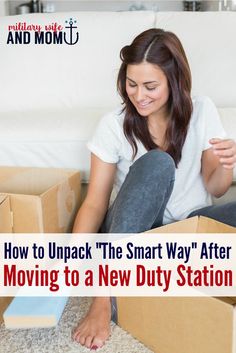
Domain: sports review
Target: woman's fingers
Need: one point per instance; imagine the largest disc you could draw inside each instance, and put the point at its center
(222, 144)
(230, 160)
(225, 150)
(230, 152)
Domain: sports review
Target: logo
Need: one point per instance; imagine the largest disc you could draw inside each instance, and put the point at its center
(53, 33)
(71, 28)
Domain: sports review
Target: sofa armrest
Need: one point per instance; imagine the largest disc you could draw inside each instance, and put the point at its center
(229, 196)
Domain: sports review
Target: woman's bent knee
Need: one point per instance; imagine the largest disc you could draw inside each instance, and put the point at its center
(157, 162)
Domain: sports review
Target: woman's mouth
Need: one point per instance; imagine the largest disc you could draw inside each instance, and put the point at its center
(143, 105)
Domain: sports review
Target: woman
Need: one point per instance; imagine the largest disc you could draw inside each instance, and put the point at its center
(157, 160)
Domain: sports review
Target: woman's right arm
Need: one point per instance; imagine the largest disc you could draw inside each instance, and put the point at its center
(95, 205)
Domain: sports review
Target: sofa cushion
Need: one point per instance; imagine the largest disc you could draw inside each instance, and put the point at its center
(209, 41)
(228, 118)
(49, 139)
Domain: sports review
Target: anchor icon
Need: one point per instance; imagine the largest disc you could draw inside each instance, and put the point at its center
(71, 27)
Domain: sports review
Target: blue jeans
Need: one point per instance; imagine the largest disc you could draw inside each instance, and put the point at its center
(223, 213)
(142, 199)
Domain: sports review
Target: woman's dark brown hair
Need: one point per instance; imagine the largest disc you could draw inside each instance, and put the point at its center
(164, 49)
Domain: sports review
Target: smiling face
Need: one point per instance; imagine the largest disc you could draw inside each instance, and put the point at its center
(147, 89)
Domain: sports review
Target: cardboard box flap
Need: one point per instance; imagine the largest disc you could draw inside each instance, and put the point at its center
(188, 225)
(31, 181)
(2, 199)
(27, 213)
(5, 215)
(229, 300)
(198, 224)
(207, 225)
(233, 300)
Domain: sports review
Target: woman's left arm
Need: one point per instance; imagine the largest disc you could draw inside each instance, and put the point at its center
(217, 166)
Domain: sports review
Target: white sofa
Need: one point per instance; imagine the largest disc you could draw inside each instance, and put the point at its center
(51, 96)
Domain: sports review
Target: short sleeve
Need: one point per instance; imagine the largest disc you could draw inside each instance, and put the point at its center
(213, 125)
(105, 143)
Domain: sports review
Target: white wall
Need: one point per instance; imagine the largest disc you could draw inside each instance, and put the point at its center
(120, 5)
(106, 5)
(3, 8)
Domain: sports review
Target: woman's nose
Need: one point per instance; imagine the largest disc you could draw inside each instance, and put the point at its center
(139, 94)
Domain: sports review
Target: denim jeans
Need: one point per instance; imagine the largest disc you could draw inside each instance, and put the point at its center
(142, 198)
(223, 213)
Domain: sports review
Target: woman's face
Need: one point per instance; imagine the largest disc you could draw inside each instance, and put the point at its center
(147, 88)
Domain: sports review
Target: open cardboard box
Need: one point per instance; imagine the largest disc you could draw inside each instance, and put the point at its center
(42, 200)
(182, 324)
(5, 215)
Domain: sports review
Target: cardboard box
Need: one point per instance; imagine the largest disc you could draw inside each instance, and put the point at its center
(5, 215)
(42, 200)
(182, 324)
(195, 225)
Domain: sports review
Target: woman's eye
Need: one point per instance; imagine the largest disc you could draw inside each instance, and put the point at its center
(130, 85)
(151, 88)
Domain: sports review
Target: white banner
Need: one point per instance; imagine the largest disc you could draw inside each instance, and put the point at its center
(117, 265)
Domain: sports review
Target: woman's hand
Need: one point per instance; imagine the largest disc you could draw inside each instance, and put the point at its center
(225, 150)
(217, 166)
